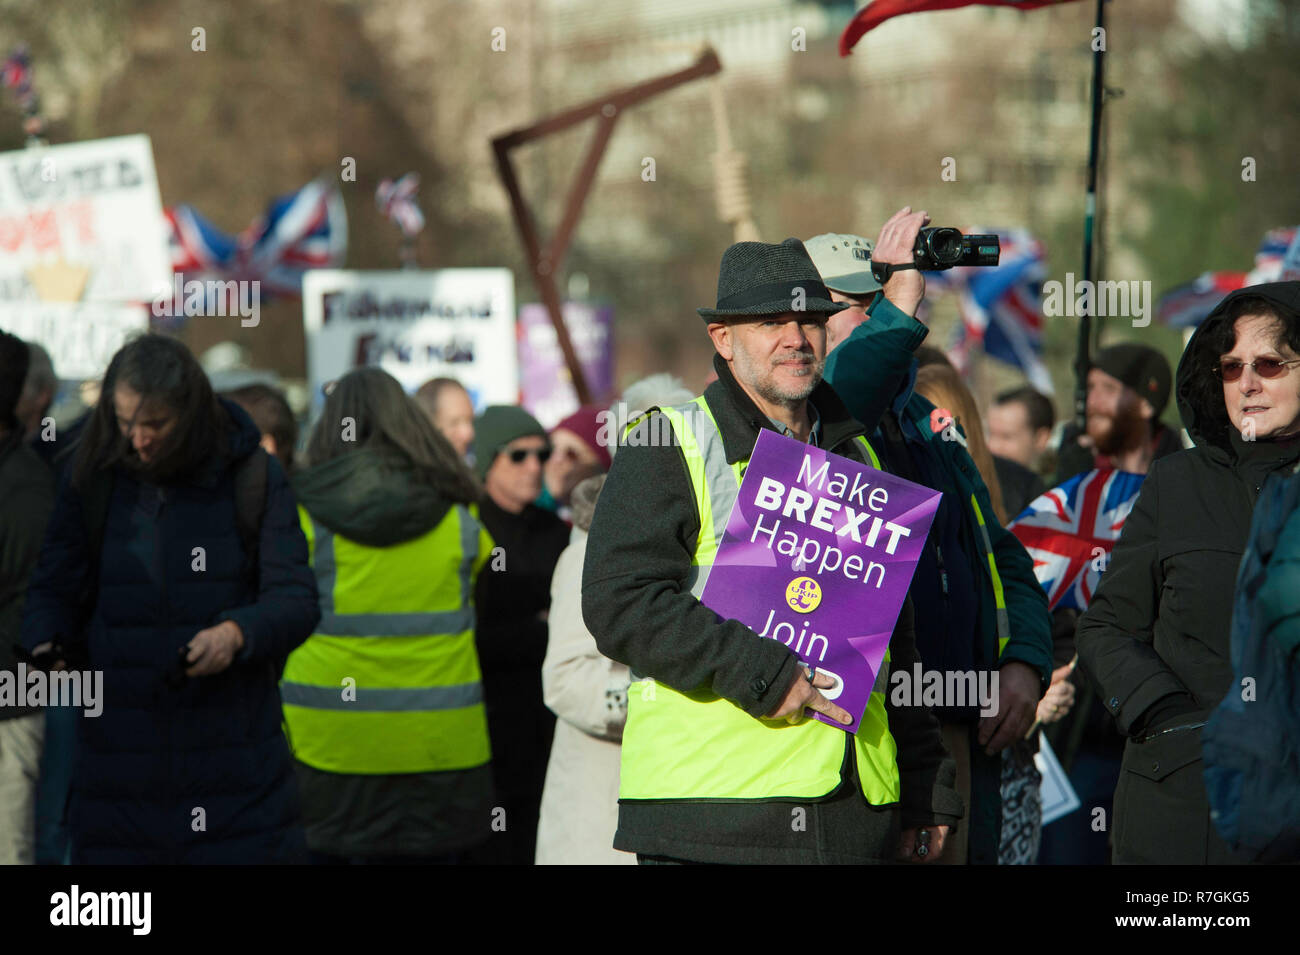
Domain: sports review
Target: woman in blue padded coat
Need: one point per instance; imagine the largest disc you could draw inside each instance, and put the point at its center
(175, 570)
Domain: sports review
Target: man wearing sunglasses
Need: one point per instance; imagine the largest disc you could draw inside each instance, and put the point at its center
(513, 598)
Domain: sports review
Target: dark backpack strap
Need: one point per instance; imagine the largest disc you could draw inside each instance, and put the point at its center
(250, 503)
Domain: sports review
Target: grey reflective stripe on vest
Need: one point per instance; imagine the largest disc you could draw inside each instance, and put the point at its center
(449, 622)
(1003, 618)
(381, 700)
(469, 553)
(719, 478)
(326, 569)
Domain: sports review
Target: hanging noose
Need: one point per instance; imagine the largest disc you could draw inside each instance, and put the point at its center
(730, 173)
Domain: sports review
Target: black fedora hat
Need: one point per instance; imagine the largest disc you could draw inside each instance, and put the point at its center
(759, 278)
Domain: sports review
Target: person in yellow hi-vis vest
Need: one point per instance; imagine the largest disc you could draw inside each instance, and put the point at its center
(384, 702)
(720, 761)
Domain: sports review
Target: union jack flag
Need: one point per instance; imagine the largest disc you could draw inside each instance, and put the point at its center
(1069, 529)
(1277, 253)
(1001, 306)
(1188, 305)
(16, 73)
(307, 229)
(396, 200)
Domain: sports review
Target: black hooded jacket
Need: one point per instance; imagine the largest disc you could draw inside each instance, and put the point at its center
(1155, 639)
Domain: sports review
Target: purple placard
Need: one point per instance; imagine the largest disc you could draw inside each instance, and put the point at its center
(545, 386)
(818, 553)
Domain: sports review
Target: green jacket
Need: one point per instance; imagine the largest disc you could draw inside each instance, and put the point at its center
(873, 371)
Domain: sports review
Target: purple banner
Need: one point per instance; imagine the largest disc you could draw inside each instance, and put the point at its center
(818, 553)
(545, 386)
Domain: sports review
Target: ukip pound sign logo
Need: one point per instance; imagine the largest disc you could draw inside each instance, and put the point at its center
(803, 594)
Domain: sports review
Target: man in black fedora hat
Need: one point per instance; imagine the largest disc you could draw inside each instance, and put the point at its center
(720, 761)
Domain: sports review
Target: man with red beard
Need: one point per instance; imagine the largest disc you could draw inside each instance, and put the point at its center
(1128, 387)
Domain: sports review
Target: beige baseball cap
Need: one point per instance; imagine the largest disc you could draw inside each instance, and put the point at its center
(844, 262)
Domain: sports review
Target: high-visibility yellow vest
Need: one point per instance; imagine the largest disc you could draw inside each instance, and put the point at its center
(999, 595)
(390, 680)
(698, 745)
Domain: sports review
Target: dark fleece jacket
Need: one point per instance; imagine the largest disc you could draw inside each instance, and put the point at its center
(637, 604)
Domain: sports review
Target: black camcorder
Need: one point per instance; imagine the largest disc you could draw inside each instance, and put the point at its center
(939, 248)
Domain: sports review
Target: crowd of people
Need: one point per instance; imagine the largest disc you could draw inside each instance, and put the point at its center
(422, 635)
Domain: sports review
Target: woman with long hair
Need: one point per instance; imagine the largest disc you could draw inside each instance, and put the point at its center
(1155, 639)
(174, 566)
(384, 703)
(942, 387)
(1021, 804)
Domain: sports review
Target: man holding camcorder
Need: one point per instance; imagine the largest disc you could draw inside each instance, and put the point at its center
(978, 604)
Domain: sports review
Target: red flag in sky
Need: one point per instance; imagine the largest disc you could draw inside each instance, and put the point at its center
(878, 11)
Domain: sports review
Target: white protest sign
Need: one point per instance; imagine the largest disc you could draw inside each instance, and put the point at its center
(1059, 797)
(81, 338)
(94, 205)
(416, 325)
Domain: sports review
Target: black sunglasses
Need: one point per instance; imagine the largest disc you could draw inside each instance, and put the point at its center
(1264, 367)
(518, 455)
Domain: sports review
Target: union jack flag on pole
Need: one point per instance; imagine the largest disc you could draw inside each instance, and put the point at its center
(1070, 531)
(396, 200)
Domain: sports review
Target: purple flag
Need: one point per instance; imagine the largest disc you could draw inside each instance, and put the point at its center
(818, 553)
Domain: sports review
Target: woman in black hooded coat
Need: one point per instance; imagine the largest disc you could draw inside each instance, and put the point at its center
(1155, 638)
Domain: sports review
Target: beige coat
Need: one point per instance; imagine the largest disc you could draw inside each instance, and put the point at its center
(588, 692)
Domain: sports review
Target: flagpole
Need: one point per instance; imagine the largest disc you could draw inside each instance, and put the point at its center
(1082, 358)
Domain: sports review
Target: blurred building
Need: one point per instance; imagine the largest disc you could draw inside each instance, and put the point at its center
(831, 143)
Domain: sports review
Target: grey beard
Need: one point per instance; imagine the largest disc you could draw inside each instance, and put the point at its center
(791, 400)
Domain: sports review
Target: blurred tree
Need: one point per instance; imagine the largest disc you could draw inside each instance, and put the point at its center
(1221, 106)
